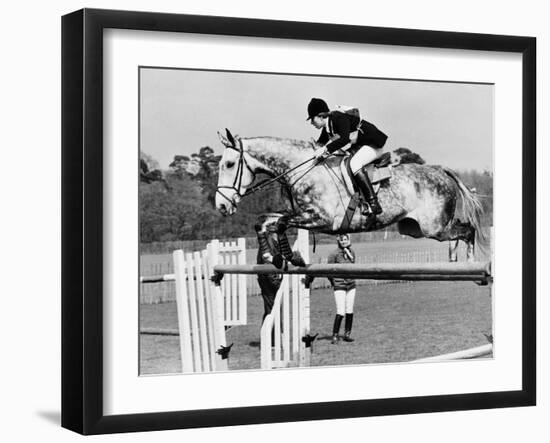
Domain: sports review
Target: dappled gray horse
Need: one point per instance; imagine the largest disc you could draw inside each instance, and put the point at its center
(421, 199)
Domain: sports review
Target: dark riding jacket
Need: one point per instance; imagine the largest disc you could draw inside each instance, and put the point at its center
(341, 124)
(269, 282)
(340, 256)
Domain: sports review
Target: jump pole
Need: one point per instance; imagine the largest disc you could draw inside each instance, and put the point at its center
(480, 351)
(478, 271)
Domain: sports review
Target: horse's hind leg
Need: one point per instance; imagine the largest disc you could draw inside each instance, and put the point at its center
(453, 247)
(460, 231)
(470, 248)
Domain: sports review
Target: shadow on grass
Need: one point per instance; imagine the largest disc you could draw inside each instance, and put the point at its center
(324, 337)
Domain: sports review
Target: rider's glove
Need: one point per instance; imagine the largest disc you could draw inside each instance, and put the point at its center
(321, 154)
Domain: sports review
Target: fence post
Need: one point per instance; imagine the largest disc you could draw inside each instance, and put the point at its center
(183, 312)
(217, 306)
(302, 244)
(241, 260)
(203, 318)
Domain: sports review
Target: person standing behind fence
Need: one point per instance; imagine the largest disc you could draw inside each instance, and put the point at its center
(344, 290)
(268, 248)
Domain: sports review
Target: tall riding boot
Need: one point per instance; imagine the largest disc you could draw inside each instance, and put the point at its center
(347, 328)
(336, 328)
(365, 186)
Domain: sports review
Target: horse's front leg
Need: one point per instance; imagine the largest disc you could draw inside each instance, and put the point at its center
(276, 224)
(287, 254)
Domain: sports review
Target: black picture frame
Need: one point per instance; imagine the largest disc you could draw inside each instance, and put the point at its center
(82, 218)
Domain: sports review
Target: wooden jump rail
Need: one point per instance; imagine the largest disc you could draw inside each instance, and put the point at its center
(162, 278)
(478, 272)
(467, 354)
(157, 278)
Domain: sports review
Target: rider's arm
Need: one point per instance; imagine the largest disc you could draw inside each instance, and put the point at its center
(323, 138)
(341, 127)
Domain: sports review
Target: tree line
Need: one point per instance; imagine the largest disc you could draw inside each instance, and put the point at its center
(178, 203)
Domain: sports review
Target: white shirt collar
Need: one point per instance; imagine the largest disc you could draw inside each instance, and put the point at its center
(327, 126)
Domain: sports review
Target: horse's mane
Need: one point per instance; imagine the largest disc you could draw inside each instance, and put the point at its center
(399, 156)
(287, 142)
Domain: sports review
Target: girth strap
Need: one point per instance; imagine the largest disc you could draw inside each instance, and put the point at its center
(354, 201)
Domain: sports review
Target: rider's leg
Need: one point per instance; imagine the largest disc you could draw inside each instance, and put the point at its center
(363, 157)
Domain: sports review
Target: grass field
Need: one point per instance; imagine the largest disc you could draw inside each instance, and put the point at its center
(395, 322)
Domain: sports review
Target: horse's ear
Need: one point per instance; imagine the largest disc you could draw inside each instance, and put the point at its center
(224, 140)
(230, 136)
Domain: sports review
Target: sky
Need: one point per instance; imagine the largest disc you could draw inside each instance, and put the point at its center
(450, 124)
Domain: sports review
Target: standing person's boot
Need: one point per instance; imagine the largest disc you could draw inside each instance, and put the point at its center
(365, 186)
(336, 328)
(347, 328)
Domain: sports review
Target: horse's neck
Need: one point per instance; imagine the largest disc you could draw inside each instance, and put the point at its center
(276, 155)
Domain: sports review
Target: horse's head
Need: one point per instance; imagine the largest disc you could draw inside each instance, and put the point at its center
(236, 174)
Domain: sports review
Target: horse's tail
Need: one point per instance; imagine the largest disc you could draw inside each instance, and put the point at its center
(471, 208)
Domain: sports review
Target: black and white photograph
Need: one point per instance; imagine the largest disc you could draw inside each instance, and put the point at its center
(289, 221)
(270, 222)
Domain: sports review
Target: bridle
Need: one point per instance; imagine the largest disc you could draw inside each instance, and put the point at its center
(241, 164)
(236, 186)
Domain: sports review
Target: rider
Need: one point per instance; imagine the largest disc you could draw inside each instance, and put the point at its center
(339, 128)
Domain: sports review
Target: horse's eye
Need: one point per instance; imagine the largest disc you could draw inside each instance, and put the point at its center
(229, 165)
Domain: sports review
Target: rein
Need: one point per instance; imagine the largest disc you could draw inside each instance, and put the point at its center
(236, 186)
(267, 182)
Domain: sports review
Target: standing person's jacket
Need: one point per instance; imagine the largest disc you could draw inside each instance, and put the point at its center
(339, 255)
(341, 124)
(270, 279)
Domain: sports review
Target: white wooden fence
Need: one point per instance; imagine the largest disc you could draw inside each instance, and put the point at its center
(283, 331)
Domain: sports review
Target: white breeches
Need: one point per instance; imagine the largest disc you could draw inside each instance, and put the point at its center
(363, 157)
(344, 301)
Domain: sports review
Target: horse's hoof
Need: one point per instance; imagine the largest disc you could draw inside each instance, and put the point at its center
(297, 259)
(278, 261)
